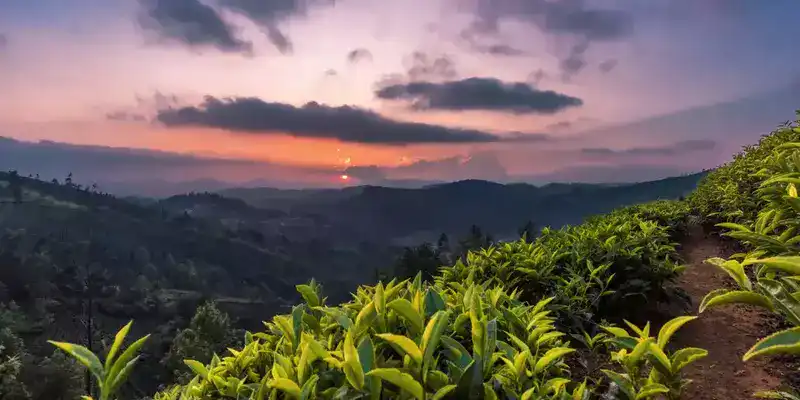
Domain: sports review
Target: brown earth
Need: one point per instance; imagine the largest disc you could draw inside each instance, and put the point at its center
(726, 332)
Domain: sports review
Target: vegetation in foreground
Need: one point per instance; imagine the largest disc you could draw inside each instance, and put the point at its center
(546, 319)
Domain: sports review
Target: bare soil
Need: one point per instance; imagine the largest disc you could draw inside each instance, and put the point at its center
(726, 332)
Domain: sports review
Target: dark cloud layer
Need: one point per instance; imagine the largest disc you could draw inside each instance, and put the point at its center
(191, 23)
(314, 120)
(685, 146)
(357, 55)
(479, 94)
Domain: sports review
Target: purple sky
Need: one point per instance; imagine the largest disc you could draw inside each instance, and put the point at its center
(298, 93)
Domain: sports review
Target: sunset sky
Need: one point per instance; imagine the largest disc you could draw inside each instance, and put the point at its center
(296, 93)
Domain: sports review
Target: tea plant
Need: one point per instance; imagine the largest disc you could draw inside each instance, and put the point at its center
(400, 340)
(115, 371)
(769, 230)
(616, 262)
(648, 368)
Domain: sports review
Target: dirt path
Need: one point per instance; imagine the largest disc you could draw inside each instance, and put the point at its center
(726, 332)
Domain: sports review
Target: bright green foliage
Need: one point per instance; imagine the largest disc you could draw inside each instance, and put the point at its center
(763, 216)
(648, 369)
(729, 193)
(117, 367)
(402, 340)
(616, 262)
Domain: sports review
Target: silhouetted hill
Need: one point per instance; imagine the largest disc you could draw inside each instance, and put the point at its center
(370, 211)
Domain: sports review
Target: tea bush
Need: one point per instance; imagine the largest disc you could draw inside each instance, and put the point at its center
(609, 266)
(768, 273)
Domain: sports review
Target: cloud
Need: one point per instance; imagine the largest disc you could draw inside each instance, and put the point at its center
(556, 17)
(607, 65)
(3, 41)
(366, 174)
(191, 23)
(479, 94)
(125, 116)
(558, 126)
(269, 13)
(623, 173)
(472, 42)
(331, 72)
(314, 120)
(570, 18)
(537, 77)
(479, 165)
(501, 50)
(422, 66)
(681, 147)
(357, 55)
(574, 62)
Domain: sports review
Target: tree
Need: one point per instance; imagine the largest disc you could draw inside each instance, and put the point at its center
(424, 258)
(87, 284)
(11, 385)
(208, 333)
(527, 231)
(476, 239)
(15, 185)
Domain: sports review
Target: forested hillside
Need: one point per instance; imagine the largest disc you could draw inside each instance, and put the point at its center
(561, 317)
(451, 208)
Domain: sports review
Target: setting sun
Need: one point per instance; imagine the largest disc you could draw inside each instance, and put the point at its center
(344, 177)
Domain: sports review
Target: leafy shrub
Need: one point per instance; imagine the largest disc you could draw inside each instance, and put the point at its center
(768, 226)
(117, 367)
(208, 333)
(609, 264)
(728, 194)
(403, 340)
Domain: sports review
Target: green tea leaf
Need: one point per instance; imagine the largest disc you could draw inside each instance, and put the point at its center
(405, 345)
(287, 386)
(84, 356)
(720, 297)
(786, 341)
(669, 329)
(550, 357)
(401, 380)
(197, 367)
(404, 308)
(118, 339)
